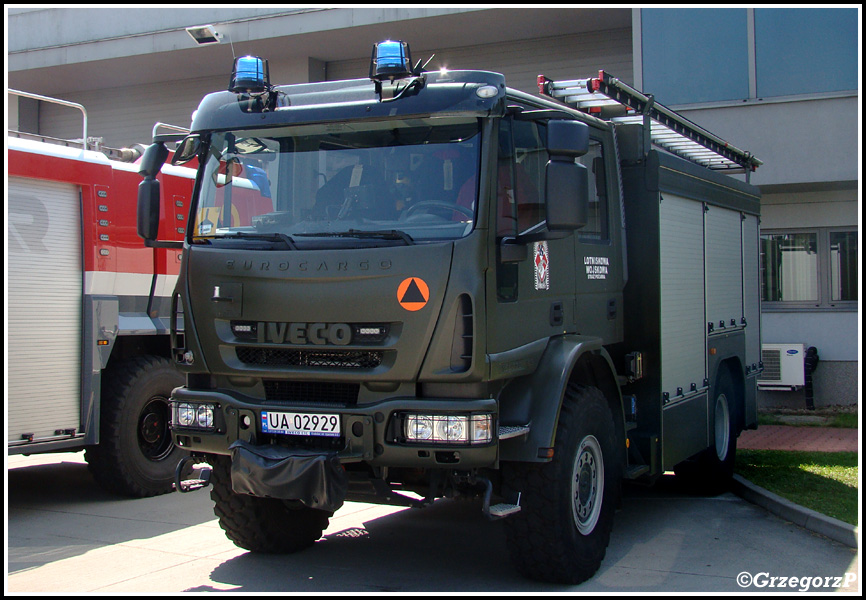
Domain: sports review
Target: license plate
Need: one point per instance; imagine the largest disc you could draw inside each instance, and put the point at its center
(288, 423)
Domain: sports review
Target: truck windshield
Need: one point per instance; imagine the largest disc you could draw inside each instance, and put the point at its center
(412, 179)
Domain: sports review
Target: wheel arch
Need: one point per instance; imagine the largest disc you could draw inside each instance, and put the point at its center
(732, 366)
(538, 397)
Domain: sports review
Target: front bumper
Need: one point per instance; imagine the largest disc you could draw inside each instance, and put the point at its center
(367, 431)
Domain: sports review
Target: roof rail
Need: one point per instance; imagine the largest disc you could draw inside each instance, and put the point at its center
(176, 128)
(61, 102)
(608, 97)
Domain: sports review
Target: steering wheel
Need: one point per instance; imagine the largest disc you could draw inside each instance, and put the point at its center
(432, 206)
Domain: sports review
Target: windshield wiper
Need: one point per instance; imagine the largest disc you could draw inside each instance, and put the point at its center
(393, 234)
(274, 237)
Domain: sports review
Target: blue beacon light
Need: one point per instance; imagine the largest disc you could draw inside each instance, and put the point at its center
(390, 60)
(249, 75)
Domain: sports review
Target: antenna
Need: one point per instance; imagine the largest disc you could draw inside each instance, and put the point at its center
(419, 67)
(231, 45)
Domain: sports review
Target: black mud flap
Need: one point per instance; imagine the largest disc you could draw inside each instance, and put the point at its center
(316, 479)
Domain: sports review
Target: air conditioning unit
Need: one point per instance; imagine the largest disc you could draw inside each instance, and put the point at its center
(783, 367)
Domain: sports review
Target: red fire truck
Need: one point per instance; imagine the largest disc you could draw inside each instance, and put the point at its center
(88, 351)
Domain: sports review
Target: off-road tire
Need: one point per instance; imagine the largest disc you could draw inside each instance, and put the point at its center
(135, 456)
(265, 525)
(710, 472)
(563, 529)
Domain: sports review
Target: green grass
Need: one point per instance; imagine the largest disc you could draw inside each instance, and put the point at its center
(843, 420)
(826, 482)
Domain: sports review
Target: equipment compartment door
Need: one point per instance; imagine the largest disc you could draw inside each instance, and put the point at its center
(724, 268)
(683, 323)
(45, 303)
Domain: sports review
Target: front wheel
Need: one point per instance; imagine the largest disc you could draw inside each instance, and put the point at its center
(563, 529)
(135, 455)
(266, 525)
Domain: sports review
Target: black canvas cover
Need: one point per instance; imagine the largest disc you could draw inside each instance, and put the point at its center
(315, 478)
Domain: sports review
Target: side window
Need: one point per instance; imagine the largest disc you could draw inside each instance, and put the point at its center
(596, 229)
(520, 188)
(519, 191)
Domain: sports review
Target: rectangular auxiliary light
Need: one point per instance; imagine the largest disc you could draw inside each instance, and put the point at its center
(190, 415)
(448, 429)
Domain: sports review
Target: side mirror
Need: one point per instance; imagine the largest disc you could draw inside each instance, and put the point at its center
(148, 209)
(567, 192)
(149, 197)
(186, 150)
(567, 138)
(153, 159)
(567, 182)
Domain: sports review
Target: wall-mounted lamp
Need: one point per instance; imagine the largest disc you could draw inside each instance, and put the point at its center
(204, 34)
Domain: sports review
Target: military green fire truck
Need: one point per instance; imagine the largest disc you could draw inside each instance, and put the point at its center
(426, 284)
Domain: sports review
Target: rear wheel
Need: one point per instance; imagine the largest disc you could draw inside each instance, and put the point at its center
(563, 529)
(712, 470)
(266, 525)
(135, 455)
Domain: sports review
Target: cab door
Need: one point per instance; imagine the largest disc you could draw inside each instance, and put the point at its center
(530, 292)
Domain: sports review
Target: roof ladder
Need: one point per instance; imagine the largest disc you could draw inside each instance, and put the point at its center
(608, 97)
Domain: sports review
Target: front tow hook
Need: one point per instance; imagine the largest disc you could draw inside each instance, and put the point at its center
(194, 483)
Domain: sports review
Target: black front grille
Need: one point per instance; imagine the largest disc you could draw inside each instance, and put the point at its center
(309, 358)
(314, 392)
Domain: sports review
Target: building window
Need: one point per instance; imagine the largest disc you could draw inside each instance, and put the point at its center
(790, 267)
(809, 269)
(695, 55)
(722, 54)
(805, 50)
(844, 266)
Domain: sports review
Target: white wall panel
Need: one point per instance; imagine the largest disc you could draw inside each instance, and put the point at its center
(521, 61)
(125, 116)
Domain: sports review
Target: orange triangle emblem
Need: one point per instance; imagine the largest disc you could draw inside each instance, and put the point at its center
(413, 293)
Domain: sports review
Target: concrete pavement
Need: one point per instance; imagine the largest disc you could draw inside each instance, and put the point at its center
(66, 536)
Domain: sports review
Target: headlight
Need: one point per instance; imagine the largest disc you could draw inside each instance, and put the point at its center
(448, 429)
(185, 414)
(193, 415)
(419, 427)
(451, 429)
(205, 416)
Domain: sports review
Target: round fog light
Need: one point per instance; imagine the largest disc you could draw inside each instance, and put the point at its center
(185, 414)
(205, 416)
(451, 429)
(419, 428)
